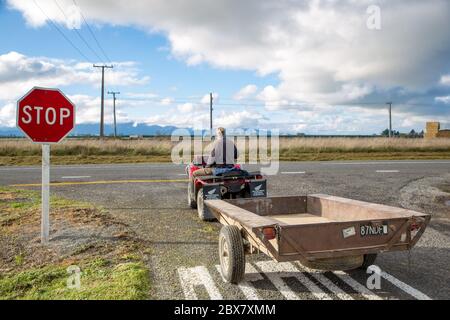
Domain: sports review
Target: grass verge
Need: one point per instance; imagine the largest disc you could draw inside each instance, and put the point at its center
(111, 261)
(100, 280)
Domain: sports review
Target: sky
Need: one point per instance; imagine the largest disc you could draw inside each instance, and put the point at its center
(314, 67)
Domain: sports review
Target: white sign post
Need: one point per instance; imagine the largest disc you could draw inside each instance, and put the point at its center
(45, 219)
(45, 116)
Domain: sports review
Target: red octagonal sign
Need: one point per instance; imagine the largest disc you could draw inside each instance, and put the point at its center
(45, 115)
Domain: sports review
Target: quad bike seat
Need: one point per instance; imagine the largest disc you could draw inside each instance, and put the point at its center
(235, 173)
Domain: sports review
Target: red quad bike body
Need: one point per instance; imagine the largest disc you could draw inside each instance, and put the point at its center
(231, 185)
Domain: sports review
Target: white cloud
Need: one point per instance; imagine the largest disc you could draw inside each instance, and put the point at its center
(246, 92)
(190, 115)
(445, 99)
(166, 101)
(19, 73)
(185, 107)
(321, 51)
(206, 98)
(239, 119)
(8, 115)
(445, 80)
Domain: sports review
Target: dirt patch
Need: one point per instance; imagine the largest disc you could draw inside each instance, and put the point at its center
(78, 232)
(430, 195)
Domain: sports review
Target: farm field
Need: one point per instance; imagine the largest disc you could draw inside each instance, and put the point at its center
(158, 149)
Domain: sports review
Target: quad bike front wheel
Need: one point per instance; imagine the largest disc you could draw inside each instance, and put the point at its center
(203, 211)
(191, 196)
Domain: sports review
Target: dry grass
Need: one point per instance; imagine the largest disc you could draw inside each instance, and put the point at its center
(23, 152)
(364, 144)
(86, 147)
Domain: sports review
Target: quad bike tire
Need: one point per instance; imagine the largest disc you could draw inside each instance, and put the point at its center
(231, 254)
(191, 196)
(203, 212)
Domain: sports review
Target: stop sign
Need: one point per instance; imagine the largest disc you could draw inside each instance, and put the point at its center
(45, 115)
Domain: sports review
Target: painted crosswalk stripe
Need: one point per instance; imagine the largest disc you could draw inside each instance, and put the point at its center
(365, 292)
(247, 289)
(319, 276)
(387, 171)
(293, 172)
(75, 177)
(276, 270)
(197, 276)
(407, 288)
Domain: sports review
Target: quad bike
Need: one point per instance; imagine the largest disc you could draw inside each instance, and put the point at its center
(235, 184)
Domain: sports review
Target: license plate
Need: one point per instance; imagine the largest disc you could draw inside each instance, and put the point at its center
(373, 230)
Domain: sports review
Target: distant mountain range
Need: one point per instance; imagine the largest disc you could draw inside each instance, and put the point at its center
(125, 129)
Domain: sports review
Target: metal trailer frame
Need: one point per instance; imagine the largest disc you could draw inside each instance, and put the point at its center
(332, 228)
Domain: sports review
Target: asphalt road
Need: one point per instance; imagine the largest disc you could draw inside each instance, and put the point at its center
(151, 199)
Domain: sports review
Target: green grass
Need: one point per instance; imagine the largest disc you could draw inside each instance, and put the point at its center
(104, 276)
(284, 156)
(26, 200)
(99, 280)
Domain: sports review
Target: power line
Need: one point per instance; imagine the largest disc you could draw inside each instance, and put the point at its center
(53, 24)
(78, 33)
(92, 32)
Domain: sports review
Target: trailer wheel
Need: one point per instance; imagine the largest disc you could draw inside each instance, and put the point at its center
(231, 254)
(191, 196)
(369, 259)
(203, 212)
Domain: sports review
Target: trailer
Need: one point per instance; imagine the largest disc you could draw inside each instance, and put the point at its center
(320, 231)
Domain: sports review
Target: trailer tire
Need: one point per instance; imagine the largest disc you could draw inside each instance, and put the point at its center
(191, 196)
(369, 259)
(203, 212)
(231, 254)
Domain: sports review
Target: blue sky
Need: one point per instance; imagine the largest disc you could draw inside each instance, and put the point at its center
(313, 67)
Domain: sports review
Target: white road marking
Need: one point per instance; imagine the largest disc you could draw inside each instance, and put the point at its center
(341, 294)
(275, 271)
(366, 293)
(75, 177)
(382, 163)
(387, 171)
(197, 276)
(408, 289)
(251, 274)
(293, 172)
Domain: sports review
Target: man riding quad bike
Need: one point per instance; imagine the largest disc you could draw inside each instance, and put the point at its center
(217, 176)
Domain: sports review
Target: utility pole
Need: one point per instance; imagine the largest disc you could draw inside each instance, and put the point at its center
(390, 118)
(210, 113)
(114, 109)
(102, 110)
